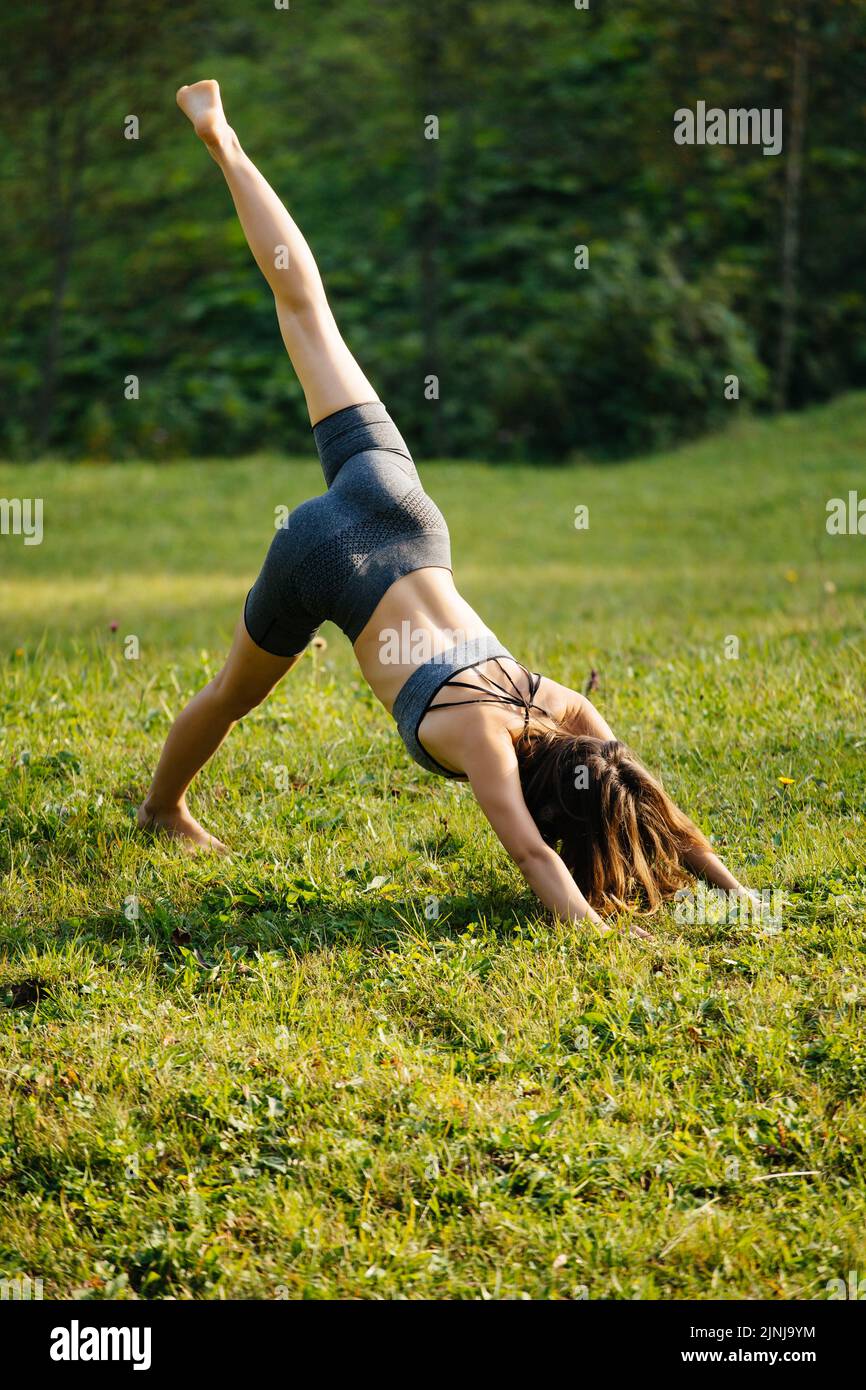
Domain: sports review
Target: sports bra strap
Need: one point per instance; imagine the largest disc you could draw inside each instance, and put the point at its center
(504, 698)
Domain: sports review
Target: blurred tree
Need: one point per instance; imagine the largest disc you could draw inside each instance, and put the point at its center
(452, 257)
(76, 57)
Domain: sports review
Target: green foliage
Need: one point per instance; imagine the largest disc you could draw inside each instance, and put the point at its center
(451, 257)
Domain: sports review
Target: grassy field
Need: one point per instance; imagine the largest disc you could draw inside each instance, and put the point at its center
(354, 1061)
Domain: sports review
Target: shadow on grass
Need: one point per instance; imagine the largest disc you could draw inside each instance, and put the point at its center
(224, 919)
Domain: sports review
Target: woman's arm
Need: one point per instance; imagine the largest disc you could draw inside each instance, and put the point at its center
(710, 867)
(552, 884)
(495, 779)
(494, 776)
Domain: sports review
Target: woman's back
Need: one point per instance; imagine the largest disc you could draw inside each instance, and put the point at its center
(420, 616)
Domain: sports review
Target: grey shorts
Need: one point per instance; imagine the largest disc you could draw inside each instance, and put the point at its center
(338, 554)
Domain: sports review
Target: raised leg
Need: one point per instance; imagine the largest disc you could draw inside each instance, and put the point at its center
(331, 380)
(329, 375)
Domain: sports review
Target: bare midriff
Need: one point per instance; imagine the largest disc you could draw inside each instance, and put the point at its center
(421, 615)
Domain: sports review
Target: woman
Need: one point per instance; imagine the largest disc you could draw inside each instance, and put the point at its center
(373, 554)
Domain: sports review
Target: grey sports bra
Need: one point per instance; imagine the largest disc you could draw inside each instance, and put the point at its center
(415, 698)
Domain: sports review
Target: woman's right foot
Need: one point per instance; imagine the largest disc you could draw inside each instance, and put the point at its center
(180, 825)
(202, 103)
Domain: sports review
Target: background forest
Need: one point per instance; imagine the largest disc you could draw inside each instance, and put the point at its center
(452, 258)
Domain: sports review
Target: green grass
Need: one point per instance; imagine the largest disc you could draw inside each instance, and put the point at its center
(286, 1076)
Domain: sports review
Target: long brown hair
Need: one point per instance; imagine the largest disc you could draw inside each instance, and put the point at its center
(616, 829)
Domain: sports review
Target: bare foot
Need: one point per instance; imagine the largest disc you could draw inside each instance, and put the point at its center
(202, 103)
(180, 825)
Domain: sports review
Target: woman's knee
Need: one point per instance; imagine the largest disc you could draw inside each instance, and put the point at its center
(248, 676)
(236, 697)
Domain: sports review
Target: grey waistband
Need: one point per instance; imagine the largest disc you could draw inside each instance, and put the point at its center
(415, 696)
(357, 428)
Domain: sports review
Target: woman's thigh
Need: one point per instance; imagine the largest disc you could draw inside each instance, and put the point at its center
(249, 673)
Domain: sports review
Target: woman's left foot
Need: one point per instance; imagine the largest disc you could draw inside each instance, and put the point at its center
(202, 103)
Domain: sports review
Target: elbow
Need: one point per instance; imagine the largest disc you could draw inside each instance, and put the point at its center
(529, 858)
